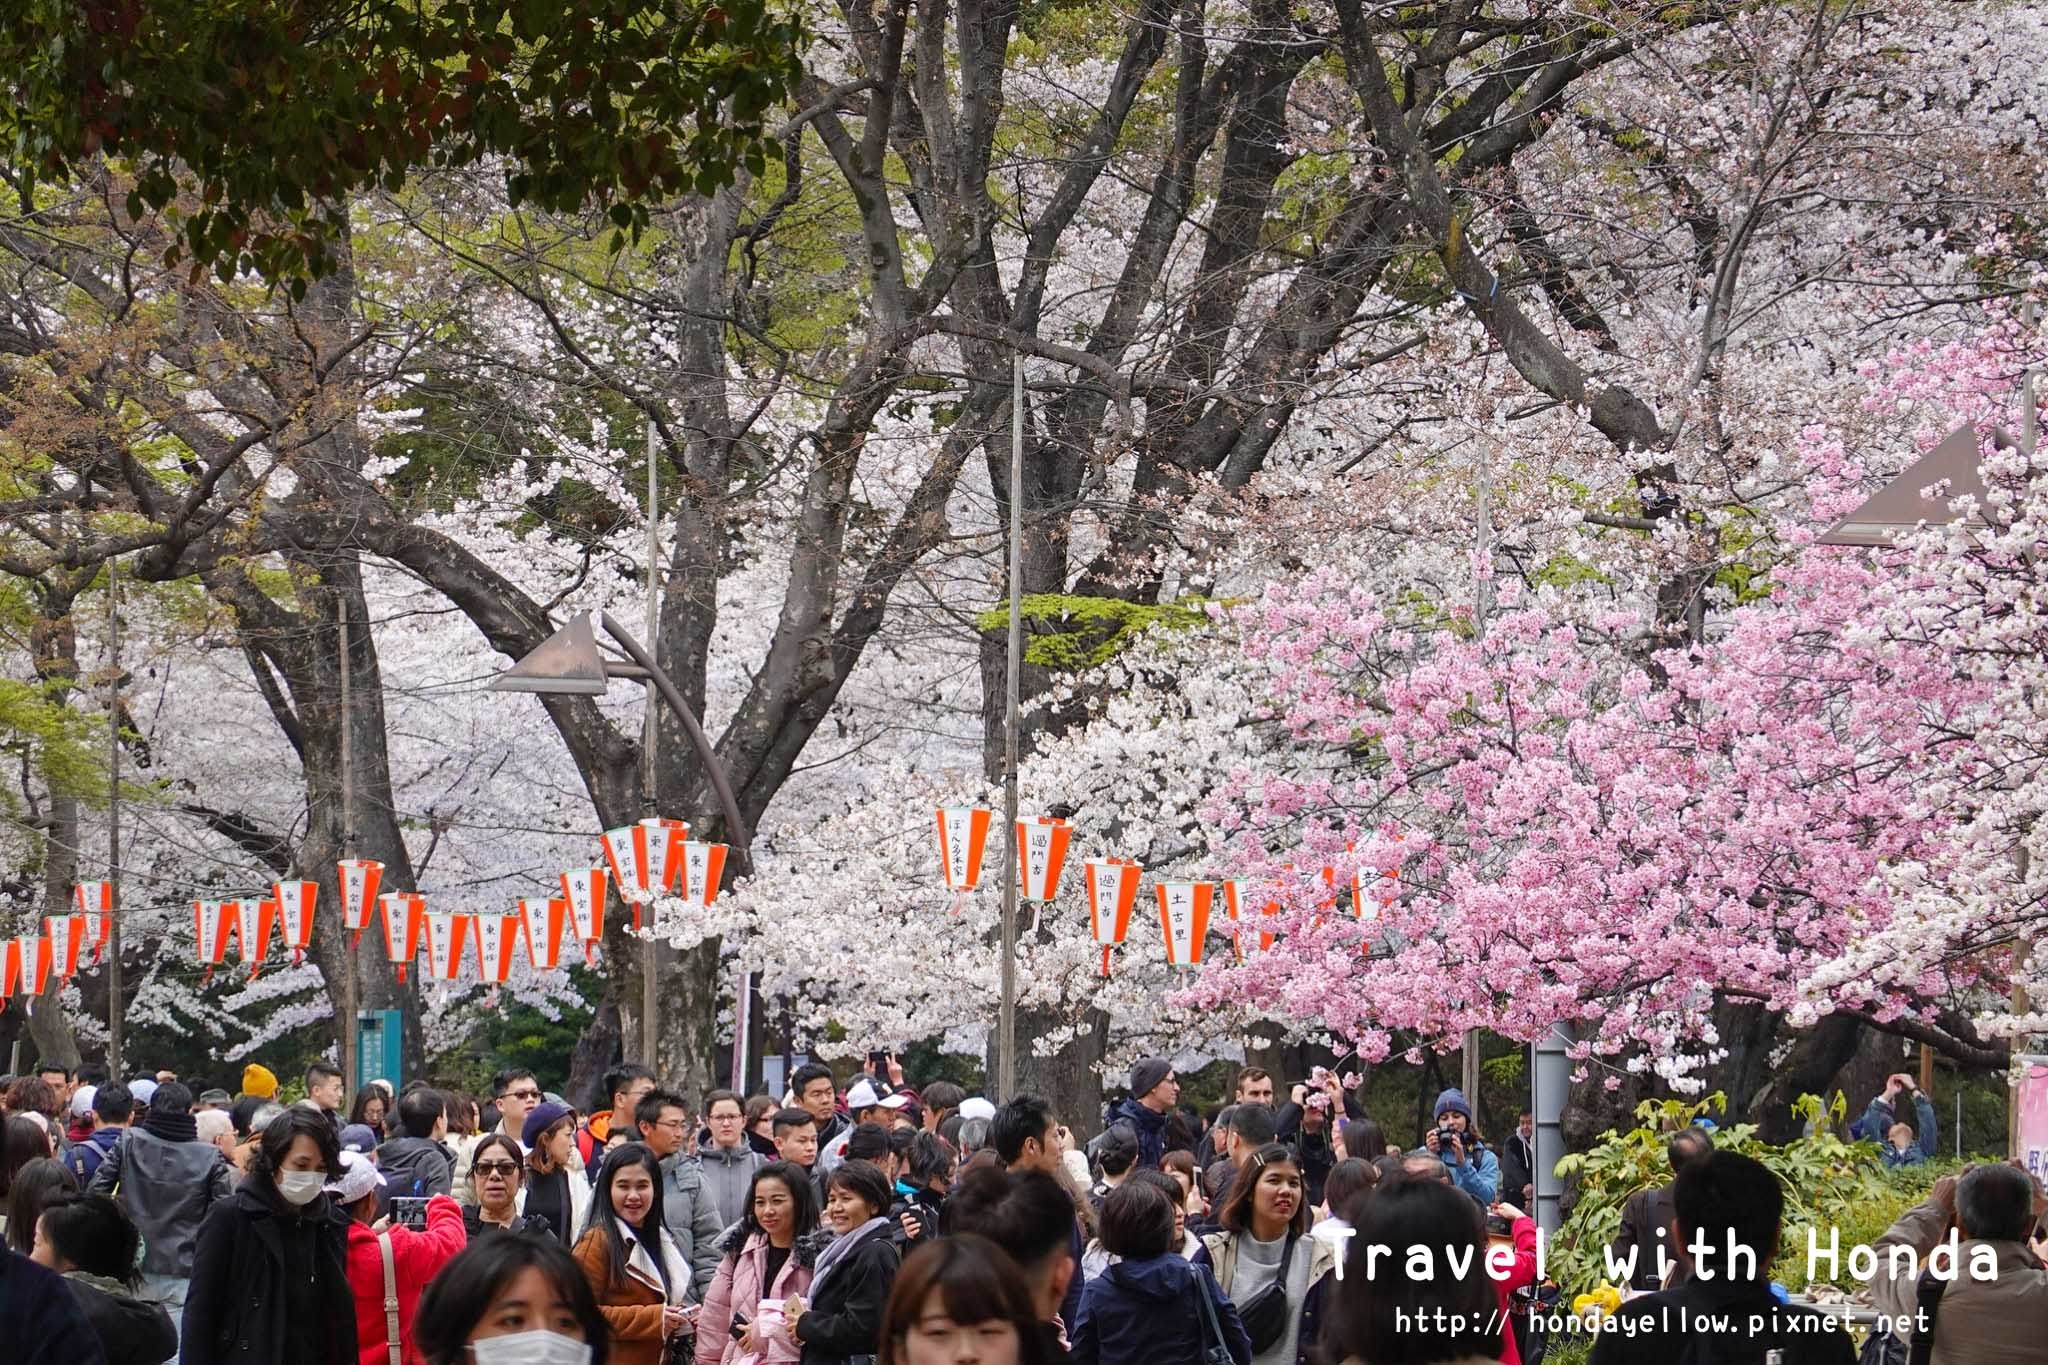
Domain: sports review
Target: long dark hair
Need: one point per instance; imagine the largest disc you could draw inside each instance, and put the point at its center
(803, 1199)
(1236, 1213)
(976, 1281)
(34, 1185)
(92, 1232)
(276, 1144)
(1379, 1316)
(24, 1141)
(458, 1297)
(604, 1217)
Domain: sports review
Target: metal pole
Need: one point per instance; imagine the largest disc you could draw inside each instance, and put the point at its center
(1006, 1035)
(650, 959)
(114, 822)
(348, 850)
(1552, 1081)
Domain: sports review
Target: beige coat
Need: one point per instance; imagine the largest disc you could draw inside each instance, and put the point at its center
(2001, 1321)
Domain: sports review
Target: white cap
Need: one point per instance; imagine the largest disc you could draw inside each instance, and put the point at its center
(359, 1175)
(81, 1100)
(975, 1107)
(141, 1090)
(863, 1095)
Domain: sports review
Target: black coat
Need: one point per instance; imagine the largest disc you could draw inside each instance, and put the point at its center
(39, 1321)
(1742, 1323)
(235, 1312)
(845, 1318)
(131, 1332)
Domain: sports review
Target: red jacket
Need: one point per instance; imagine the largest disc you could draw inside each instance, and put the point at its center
(416, 1257)
(1521, 1272)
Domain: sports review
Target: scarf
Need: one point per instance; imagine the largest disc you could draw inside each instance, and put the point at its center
(171, 1127)
(841, 1248)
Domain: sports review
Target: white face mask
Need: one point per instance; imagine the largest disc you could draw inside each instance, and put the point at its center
(301, 1187)
(530, 1348)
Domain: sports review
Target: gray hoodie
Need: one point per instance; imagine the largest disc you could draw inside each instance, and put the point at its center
(413, 1167)
(728, 1176)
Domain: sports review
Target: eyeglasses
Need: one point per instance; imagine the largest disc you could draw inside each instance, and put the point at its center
(496, 1167)
(676, 1125)
(522, 1094)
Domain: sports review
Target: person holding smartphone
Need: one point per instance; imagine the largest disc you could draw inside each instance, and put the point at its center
(1897, 1143)
(421, 1236)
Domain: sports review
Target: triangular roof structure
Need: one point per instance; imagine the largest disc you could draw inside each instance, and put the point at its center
(1953, 468)
(566, 661)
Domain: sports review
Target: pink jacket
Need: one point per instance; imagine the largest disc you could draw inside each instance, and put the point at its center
(737, 1286)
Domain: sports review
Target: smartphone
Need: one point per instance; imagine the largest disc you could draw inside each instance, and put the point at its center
(740, 1320)
(409, 1211)
(879, 1060)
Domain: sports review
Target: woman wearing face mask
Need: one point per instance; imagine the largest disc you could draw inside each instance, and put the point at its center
(511, 1301)
(768, 1257)
(270, 1267)
(554, 1190)
(850, 1287)
(1273, 1274)
(635, 1269)
(499, 1192)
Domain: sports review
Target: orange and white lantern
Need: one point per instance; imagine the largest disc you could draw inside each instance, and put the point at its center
(67, 939)
(95, 901)
(405, 914)
(963, 834)
(254, 920)
(1184, 920)
(497, 939)
(1112, 891)
(37, 961)
(644, 859)
(295, 916)
(213, 922)
(10, 970)
(584, 890)
(545, 920)
(1237, 904)
(359, 880)
(1042, 856)
(703, 871)
(447, 938)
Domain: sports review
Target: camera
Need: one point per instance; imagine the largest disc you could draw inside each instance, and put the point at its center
(1445, 1136)
(1499, 1226)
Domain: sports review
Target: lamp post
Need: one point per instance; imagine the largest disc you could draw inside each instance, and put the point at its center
(570, 663)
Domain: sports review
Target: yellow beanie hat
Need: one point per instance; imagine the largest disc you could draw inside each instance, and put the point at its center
(258, 1081)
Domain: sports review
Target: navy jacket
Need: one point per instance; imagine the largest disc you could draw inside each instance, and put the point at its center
(40, 1316)
(1139, 1312)
(85, 1157)
(1150, 1128)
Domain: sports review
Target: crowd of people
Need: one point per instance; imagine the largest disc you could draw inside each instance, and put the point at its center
(839, 1225)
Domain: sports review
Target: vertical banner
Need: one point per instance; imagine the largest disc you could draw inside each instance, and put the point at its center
(2030, 1098)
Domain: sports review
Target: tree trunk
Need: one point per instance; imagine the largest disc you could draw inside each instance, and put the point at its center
(54, 641)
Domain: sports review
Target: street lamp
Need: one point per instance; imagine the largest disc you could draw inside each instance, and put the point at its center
(569, 663)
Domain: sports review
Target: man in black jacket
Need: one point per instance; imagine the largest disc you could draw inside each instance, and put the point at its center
(1518, 1162)
(1730, 1214)
(417, 1165)
(1644, 1239)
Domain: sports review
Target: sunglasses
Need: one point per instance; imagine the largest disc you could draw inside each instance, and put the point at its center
(522, 1094)
(496, 1167)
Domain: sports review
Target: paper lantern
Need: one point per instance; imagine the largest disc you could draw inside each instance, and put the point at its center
(1042, 856)
(497, 938)
(1238, 895)
(1184, 920)
(67, 935)
(37, 960)
(1370, 896)
(10, 970)
(963, 833)
(254, 920)
(95, 901)
(703, 871)
(584, 890)
(359, 880)
(644, 859)
(212, 923)
(447, 938)
(405, 916)
(1112, 891)
(295, 916)
(544, 921)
